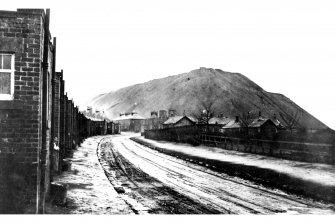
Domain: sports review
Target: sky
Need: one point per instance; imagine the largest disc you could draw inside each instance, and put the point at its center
(286, 47)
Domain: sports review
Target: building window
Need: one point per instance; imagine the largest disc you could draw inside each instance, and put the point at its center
(6, 76)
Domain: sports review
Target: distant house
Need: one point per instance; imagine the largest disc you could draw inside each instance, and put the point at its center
(264, 125)
(259, 125)
(222, 121)
(232, 124)
(277, 122)
(216, 123)
(132, 122)
(155, 121)
(178, 121)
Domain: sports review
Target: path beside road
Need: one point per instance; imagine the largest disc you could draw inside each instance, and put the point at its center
(89, 190)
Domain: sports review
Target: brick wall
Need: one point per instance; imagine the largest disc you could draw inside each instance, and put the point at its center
(56, 121)
(36, 113)
(62, 123)
(57, 105)
(22, 34)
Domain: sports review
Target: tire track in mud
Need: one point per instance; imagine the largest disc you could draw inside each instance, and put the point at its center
(211, 170)
(233, 201)
(265, 177)
(143, 193)
(239, 204)
(269, 203)
(262, 192)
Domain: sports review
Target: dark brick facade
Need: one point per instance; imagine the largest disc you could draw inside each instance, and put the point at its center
(22, 35)
(36, 116)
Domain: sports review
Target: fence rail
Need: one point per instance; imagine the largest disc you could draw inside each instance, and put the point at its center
(292, 150)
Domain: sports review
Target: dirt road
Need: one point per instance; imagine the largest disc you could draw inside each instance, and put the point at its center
(89, 192)
(158, 183)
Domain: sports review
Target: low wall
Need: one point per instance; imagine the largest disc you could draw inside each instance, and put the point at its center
(307, 152)
(264, 176)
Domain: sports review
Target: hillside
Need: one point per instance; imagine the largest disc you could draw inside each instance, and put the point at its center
(234, 93)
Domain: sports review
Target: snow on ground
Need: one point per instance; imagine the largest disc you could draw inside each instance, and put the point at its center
(89, 191)
(320, 173)
(221, 192)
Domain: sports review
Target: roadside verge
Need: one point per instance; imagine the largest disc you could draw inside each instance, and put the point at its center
(266, 176)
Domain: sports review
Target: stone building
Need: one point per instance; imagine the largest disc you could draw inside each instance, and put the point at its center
(132, 122)
(155, 121)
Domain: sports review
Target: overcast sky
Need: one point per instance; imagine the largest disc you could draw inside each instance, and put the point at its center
(286, 47)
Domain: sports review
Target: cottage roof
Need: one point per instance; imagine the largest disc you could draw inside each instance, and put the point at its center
(232, 124)
(277, 123)
(131, 116)
(172, 120)
(219, 121)
(175, 119)
(108, 119)
(94, 119)
(192, 119)
(258, 122)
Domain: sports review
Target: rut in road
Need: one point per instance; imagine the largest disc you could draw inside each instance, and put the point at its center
(216, 191)
(150, 193)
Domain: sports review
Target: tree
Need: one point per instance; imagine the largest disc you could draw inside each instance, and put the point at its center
(291, 121)
(246, 120)
(206, 111)
(207, 98)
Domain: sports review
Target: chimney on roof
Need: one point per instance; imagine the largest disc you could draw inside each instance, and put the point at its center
(153, 114)
(172, 113)
(162, 114)
(237, 119)
(274, 116)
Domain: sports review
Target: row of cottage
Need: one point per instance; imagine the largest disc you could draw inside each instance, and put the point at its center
(162, 119)
(39, 125)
